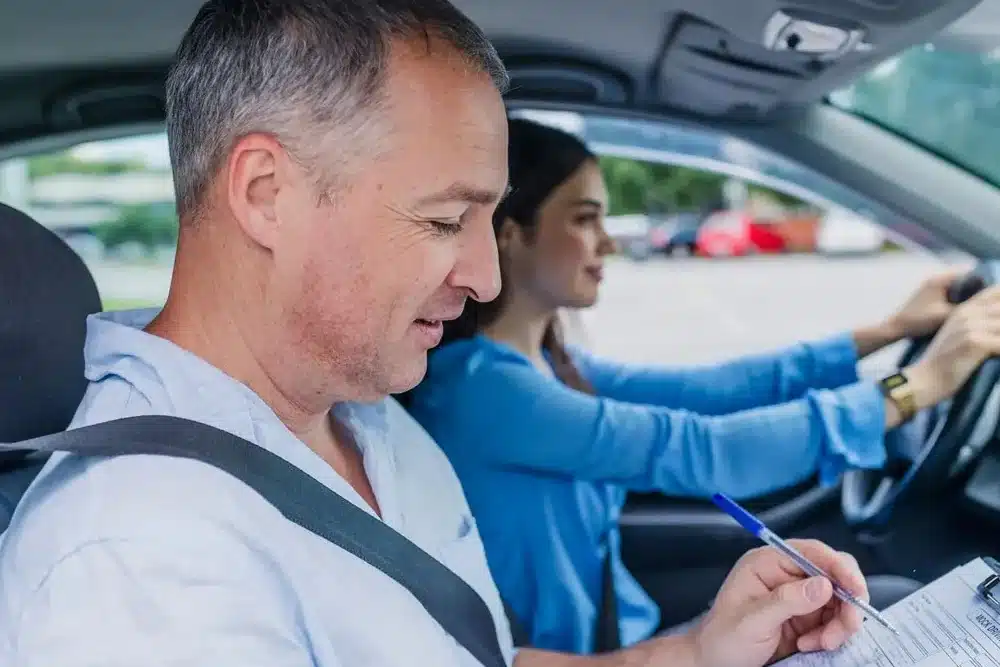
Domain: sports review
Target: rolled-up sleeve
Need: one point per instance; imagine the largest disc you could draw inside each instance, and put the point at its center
(128, 602)
(523, 419)
(716, 389)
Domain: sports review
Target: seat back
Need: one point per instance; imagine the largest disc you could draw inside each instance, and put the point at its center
(46, 294)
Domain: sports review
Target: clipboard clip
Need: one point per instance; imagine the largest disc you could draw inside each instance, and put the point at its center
(986, 588)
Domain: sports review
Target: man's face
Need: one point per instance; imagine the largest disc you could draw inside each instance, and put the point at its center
(366, 276)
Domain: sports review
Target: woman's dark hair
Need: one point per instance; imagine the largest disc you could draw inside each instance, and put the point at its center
(540, 159)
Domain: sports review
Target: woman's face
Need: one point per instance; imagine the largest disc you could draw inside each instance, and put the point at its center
(561, 260)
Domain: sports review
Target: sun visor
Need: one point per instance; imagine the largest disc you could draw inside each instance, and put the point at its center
(747, 65)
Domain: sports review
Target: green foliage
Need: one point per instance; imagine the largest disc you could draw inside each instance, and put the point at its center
(948, 101)
(628, 184)
(646, 187)
(51, 164)
(148, 225)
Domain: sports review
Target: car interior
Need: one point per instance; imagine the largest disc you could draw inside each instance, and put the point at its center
(760, 71)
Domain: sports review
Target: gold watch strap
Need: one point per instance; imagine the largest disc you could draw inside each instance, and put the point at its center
(897, 389)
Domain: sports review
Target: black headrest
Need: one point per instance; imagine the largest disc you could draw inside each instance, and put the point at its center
(46, 294)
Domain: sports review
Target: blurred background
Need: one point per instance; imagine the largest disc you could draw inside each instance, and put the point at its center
(724, 248)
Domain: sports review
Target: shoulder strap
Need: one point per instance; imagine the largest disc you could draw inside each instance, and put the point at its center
(455, 605)
(606, 633)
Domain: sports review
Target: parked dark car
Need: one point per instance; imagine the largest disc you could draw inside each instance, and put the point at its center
(677, 235)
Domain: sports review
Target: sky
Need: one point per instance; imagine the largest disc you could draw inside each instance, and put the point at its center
(151, 149)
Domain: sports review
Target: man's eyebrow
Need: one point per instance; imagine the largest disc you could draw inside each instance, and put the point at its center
(463, 192)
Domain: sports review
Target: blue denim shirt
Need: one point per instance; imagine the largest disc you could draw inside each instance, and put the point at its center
(546, 468)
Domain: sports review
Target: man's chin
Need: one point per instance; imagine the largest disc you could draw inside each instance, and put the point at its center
(406, 378)
(582, 300)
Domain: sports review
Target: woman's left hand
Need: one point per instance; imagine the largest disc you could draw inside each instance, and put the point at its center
(927, 309)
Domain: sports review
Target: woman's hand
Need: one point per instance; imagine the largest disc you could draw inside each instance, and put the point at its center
(922, 314)
(927, 308)
(969, 337)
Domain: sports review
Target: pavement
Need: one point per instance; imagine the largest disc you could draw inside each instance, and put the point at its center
(689, 311)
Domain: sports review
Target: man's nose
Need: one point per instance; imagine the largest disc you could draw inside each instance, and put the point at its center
(477, 269)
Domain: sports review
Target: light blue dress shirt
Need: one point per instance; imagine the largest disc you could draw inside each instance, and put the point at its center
(161, 562)
(546, 468)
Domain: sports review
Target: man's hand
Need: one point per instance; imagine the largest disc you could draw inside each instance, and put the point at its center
(768, 609)
(967, 339)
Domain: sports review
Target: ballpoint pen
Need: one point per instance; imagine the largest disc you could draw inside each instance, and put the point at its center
(757, 527)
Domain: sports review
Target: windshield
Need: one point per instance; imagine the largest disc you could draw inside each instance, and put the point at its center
(946, 101)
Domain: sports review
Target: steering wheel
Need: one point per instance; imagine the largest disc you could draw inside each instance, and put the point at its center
(938, 444)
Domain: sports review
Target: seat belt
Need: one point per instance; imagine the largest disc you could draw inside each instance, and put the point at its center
(302, 499)
(607, 635)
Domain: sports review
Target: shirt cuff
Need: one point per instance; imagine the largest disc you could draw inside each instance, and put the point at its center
(836, 361)
(858, 438)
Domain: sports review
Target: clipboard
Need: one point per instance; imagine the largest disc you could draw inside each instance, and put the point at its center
(954, 620)
(987, 588)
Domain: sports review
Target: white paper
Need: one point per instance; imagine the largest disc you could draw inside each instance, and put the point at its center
(944, 624)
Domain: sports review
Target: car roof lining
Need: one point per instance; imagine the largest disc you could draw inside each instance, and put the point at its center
(104, 61)
(50, 71)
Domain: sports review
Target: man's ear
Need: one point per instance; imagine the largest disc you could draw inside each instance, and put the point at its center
(258, 168)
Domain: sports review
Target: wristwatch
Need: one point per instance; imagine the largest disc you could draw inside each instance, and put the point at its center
(897, 389)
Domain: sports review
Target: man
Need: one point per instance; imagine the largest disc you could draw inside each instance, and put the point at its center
(336, 163)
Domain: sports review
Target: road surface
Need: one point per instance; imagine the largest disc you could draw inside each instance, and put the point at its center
(696, 310)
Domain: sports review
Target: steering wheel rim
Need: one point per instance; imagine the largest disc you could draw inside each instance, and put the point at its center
(869, 496)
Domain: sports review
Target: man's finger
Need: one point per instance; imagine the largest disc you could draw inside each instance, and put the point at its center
(790, 600)
(842, 567)
(826, 637)
(853, 571)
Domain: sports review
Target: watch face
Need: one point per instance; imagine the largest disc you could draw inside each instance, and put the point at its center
(894, 381)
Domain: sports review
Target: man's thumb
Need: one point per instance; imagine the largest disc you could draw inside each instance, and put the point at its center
(796, 598)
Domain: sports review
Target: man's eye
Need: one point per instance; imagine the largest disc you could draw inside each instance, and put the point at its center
(447, 227)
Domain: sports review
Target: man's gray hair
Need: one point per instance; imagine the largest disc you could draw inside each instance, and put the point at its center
(294, 67)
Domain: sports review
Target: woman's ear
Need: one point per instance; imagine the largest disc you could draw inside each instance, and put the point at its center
(509, 235)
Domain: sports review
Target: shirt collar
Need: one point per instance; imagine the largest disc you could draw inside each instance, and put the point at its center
(188, 386)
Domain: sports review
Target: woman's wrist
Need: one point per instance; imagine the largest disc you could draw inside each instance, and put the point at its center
(871, 339)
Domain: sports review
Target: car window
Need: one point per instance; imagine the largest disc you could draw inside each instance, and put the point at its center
(113, 202)
(775, 254)
(945, 100)
(725, 248)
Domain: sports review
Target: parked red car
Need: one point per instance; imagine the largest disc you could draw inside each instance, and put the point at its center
(736, 233)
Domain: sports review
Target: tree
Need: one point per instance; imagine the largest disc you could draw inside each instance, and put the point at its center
(948, 101)
(629, 183)
(50, 164)
(647, 187)
(142, 224)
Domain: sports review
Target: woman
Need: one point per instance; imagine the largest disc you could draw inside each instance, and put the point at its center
(547, 441)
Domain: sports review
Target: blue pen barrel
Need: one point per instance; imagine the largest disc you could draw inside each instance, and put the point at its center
(740, 515)
(755, 526)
